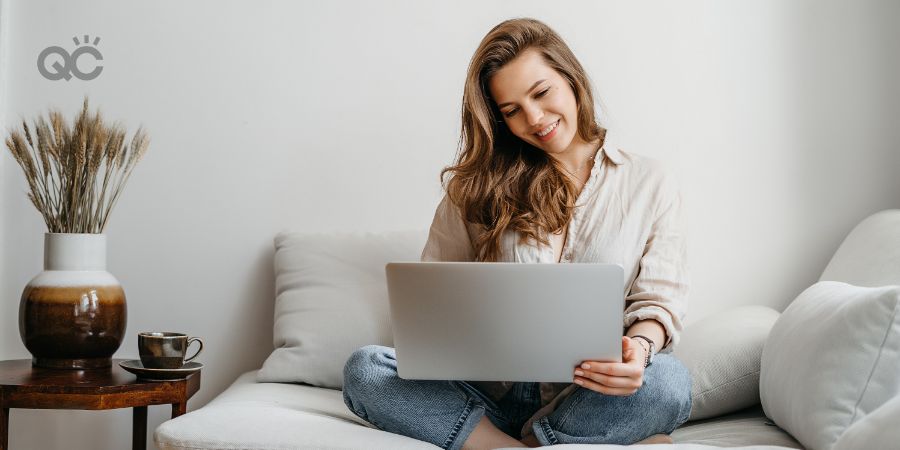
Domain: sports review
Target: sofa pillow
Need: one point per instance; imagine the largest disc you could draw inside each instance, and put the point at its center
(330, 299)
(876, 430)
(870, 254)
(832, 358)
(722, 352)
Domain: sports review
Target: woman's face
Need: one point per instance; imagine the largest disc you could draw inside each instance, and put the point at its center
(536, 102)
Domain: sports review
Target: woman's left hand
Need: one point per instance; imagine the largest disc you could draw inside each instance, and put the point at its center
(614, 378)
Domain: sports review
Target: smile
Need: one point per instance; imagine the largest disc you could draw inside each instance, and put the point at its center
(548, 132)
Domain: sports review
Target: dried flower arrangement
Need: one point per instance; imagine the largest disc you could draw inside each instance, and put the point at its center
(76, 173)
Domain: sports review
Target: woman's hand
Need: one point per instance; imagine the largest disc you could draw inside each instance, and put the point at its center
(613, 378)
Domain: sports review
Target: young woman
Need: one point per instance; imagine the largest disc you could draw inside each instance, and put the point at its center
(537, 179)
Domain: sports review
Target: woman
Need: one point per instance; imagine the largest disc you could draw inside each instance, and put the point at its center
(538, 180)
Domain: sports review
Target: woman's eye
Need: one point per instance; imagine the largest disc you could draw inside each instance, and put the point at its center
(542, 93)
(511, 112)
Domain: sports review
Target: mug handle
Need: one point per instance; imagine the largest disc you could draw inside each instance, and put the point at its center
(198, 340)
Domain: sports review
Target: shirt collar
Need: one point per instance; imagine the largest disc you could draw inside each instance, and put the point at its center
(611, 149)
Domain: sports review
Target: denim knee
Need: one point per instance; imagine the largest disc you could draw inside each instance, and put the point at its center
(440, 412)
(587, 417)
(365, 371)
(673, 391)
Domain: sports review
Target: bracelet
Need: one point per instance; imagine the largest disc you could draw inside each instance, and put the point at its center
(646, 347)
(648, 358)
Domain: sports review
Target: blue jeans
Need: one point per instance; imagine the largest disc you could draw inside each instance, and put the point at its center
(444, 413)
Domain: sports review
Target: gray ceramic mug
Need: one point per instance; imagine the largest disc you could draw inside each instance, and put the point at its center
(163, 350)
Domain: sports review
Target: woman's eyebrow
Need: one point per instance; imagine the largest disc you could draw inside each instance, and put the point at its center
(536, 83)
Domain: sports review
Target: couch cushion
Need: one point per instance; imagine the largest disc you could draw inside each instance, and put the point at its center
(832, 357)
(870, 254)
(656, 447)
(746, 427)
(251, 415)
(723, 352)
(876, 430)
(331, 299)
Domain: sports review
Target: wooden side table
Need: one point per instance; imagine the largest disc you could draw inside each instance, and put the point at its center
(27, 387)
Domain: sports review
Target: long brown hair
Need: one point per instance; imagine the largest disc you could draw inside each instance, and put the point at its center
(499, 181)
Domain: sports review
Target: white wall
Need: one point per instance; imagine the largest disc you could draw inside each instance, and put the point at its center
(4, 63)
(780, 119)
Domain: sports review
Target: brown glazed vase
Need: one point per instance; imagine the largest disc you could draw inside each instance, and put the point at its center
(73, 314)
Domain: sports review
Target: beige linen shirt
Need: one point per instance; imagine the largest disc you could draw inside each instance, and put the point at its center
(628, 213)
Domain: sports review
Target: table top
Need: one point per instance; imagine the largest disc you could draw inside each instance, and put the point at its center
(18, 377)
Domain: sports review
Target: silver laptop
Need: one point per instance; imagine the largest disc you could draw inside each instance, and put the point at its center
(504, 321)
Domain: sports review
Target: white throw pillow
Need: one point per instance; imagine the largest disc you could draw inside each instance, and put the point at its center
(723, 352)
(331, 298)
(877, 430)
(870, 254)
(832, 358)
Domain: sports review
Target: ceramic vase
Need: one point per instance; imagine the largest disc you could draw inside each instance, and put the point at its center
(73, 314)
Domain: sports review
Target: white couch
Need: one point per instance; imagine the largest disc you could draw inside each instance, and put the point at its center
(724, 356)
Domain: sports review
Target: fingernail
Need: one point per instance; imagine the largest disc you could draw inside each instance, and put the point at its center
(579, 373)
(579, 382)
(585, 366)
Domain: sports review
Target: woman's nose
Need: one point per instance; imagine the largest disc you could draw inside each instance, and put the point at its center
(533, 114)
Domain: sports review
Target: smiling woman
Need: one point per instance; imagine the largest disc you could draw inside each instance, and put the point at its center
(528, 135)
(534, 113)
(538, 180)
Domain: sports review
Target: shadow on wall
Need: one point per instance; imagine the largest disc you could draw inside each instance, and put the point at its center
(13, 188)
(852, 134)
(253, 320)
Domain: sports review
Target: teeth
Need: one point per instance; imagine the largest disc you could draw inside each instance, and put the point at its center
(547, 130)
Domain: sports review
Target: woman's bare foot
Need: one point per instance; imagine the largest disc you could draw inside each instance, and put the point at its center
(531, 441)
(656, 439)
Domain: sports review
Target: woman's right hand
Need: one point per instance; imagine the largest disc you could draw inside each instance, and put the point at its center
(615, 378)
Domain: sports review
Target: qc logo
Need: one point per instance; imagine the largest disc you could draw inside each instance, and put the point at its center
(69, 64)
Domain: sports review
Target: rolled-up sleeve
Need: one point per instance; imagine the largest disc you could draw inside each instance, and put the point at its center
(448, 237)
(660, 288)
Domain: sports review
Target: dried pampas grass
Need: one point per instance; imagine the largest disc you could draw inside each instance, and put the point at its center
(76, 173)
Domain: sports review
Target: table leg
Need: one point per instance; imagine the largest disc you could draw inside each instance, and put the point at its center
(179, 409)
(4, 428)
(139, 428)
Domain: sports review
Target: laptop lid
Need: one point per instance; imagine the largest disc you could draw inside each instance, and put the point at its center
(503, 321)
